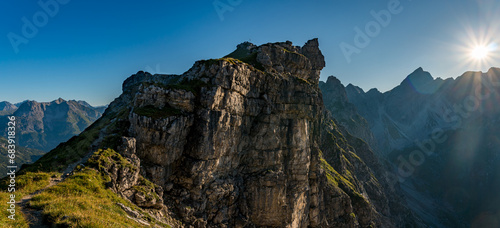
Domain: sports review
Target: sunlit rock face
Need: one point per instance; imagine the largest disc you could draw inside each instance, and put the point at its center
(245, 141)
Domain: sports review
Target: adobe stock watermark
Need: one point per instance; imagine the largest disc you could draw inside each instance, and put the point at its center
(372, 29)
(11, 167)
(223, 6)
(31, 26)
(456, 116)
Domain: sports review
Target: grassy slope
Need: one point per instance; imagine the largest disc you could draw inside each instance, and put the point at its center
(25, 184)
(81, 200)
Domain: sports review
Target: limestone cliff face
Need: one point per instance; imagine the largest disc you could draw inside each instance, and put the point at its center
(244, 141)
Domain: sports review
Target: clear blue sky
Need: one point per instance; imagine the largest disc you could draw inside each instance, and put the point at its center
(88, 48)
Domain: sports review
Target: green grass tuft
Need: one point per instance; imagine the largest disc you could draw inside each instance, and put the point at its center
(344, 182)
(104, 159)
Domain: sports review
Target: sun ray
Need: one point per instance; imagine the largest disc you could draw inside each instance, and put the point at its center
(476, 48)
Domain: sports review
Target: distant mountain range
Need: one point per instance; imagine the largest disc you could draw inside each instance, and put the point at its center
(440, 137)
(7, 108)
(43, 125)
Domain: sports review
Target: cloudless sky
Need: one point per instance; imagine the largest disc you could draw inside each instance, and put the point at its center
(88, 48)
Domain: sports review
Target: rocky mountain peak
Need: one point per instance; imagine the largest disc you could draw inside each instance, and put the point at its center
(243, 141)
(354, 89)
(27, 106)
(373, 91)
(419, 76)
(493, 70)
(7, 106)
(334, 89)
(418, 80)
(334, 82)
(311, 50)
(246, 46)
(284, 58)
(59, 101)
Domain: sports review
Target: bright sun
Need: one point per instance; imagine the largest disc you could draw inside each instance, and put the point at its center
(478, 49)
(480, 52)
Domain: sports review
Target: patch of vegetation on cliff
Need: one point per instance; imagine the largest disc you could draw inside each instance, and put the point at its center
(336, 142)
(334, 177)
(210, 62)
(344, 182)
(147, 188)
(301, 80)
(104, 159)
(193, 85)
(82, 199)
(248, 58)
(157, 113)
(293, 52)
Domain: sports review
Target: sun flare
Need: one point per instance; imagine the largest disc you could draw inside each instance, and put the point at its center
(478, 48)
(480, 52)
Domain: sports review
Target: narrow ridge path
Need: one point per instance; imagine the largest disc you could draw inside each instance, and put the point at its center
(34, 216)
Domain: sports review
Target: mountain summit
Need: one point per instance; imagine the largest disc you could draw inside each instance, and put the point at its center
(240, 141)
(7, 108)
(420, 81)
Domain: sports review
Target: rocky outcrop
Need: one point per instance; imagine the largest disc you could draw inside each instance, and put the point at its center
(124, 179)
(240, 141)
(244, 141)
